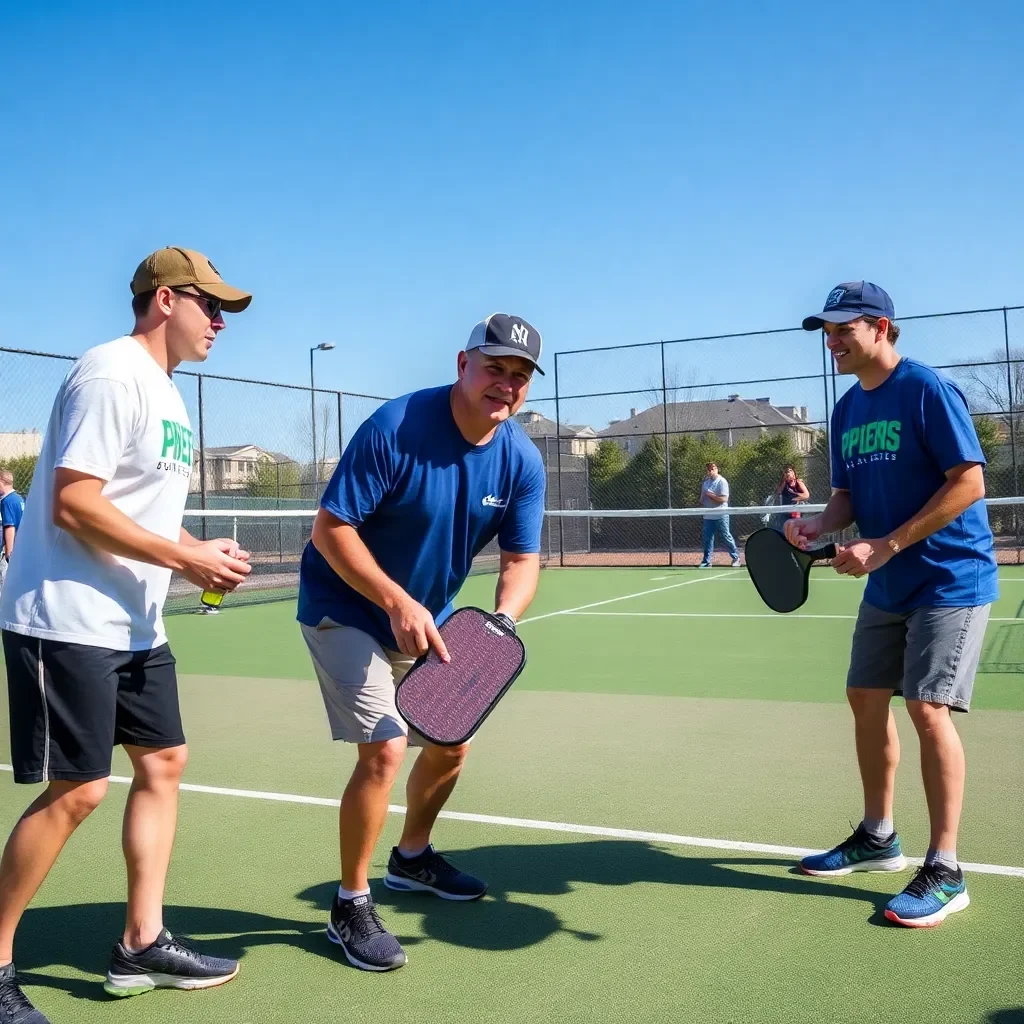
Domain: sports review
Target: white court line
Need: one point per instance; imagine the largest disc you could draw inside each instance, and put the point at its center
(659, 577)
(739, 615)
(558, 826)
(624, 597)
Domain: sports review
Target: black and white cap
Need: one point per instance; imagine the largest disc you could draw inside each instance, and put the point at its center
(504, 335)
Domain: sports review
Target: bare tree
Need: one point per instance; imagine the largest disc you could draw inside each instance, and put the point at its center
(991, 389)
(685, 396)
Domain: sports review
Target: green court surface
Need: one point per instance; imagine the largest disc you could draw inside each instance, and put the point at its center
(623, 803)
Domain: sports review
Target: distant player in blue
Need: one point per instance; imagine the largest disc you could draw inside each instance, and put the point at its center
(12, 508)
(424, 485)
(907, 470)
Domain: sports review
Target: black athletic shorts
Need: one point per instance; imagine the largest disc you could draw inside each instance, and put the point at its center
(72, 704)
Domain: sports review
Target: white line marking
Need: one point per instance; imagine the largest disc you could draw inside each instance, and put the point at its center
(714, 615)
(659, 577)
(624, 597)
(558, 826)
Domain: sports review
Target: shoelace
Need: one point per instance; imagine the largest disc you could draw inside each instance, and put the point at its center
(180, 945)
(365, 922)
(927, 877)
(12, 998)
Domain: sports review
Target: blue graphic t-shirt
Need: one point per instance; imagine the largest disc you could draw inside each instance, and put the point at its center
(425, 502)
(891, 448)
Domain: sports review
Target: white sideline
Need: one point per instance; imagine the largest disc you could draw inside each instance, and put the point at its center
(557, 826)
(624, 597)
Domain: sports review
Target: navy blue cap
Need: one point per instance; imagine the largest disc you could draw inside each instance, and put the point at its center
(504, 335)
(850, 301)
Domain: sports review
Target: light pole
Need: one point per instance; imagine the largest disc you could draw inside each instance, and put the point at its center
(324, 346)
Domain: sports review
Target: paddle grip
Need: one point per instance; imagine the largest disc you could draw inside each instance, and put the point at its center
(825, 554)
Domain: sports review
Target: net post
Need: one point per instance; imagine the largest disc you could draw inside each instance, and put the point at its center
(668, 457)
(202, 455)
(558, 461)
(1012, 424)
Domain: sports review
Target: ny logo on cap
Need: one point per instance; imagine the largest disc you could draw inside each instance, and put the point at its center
(520, 335)
(834, 297)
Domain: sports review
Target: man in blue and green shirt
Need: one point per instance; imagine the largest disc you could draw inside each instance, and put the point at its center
(907, 470)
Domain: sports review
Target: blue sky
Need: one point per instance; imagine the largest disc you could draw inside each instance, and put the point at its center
(382, 176)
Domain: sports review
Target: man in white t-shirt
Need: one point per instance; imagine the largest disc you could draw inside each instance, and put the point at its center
(714, 493)
(88, 665)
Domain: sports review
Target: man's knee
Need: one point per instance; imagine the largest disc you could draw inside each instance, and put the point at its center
(447, 758)
(381, 761)
(868, 704)
(927, 716)
(77, 800)
(166, 765)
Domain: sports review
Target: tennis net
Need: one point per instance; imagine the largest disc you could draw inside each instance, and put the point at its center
(275, 539)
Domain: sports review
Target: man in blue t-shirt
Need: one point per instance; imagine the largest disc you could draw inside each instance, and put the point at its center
(423, 486)
(907, 470)
(12, 507)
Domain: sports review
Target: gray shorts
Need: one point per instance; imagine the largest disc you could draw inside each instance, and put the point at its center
(357, 681)
(930, 654)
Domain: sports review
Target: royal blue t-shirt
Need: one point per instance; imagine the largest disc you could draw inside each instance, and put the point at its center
(12, 507)
(891, 448)
(425, 502)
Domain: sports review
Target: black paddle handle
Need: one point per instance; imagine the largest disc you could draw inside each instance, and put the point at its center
(825, 554)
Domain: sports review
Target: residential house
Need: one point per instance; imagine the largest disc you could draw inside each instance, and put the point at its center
(731, 420)
(234, 467)
(20, 444)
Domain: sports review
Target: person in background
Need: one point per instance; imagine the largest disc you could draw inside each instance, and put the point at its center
(791, 490)
(714, 493)
(12, 507)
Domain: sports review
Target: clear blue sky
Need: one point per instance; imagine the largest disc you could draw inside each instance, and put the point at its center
(383, 175)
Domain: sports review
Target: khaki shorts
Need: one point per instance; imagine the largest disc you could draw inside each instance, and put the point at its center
(357, 681)
(930, 654)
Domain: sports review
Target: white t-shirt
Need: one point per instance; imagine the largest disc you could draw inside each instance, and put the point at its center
(119, 417)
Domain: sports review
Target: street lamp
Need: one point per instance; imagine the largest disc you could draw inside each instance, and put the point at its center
(324, 346)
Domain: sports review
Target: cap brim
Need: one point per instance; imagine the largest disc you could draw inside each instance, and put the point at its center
(232, 300)
(831, 316)
(502, 350)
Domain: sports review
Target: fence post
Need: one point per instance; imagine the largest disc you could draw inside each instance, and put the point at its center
(341, 432)
(1013, 428)
(668, 457)
(558, 462)
(202, 454)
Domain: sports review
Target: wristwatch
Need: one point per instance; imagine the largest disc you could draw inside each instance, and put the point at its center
(894, 544)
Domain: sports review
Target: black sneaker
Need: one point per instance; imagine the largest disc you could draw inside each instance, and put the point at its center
(366, 943)
(430, 872)
(168, 963)
(14, 1005)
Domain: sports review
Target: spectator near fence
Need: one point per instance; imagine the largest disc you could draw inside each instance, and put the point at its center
(714, 493)
(791, 490)
(12, 506)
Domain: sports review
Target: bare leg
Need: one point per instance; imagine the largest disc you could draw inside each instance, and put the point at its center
(34, 845)
(943, 768)
(878, 748)
(364, 808)
(147, 837)
(431, 781)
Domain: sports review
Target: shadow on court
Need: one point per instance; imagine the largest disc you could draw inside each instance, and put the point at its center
(1015, 1015)
(501, 921)
(81, 936)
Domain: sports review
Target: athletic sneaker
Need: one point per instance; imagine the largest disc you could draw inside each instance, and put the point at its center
(932, 895)
(704, 565)
(430, 872)
(168, 963)
(861, 852)
(736, 563)
(14, 1005)
(366, 943)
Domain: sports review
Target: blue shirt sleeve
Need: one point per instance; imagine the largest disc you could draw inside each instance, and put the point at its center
(948, 430)
(362, 477)
(11, 510)
(521, 526)
(840, 478)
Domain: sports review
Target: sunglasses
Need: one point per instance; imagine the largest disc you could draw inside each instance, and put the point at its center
(211, 307)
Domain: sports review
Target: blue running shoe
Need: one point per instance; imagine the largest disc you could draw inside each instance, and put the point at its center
(932, 895)
(861, 852)
(430, 872)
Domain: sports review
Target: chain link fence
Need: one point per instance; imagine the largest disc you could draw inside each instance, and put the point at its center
(259, 445)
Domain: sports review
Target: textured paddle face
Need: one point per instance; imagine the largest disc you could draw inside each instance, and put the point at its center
(447, 703)
(779, 570)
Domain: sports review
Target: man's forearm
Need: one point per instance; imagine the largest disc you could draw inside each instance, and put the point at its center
(94, 519)
(951, 500)
(8, 540)
(352, 560)
(838, 513)
(517, 584)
